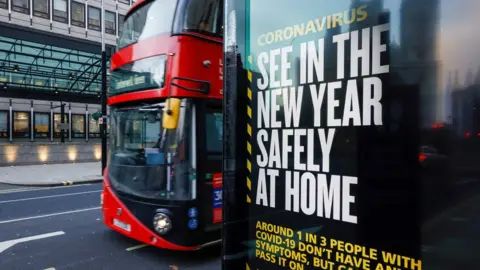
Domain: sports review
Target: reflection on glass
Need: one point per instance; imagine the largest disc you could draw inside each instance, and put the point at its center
(140, 149)
(4, 4)
(22, 6)
(57, 125)
(78, 14)
(214, 134)
(3, 124)
(21, 124)
(141, 134)
(93, 128)
(41, 8)
(150, 20)
(60, 10)
(110, 22)
(418, 191)
(42, 125)
(94, 20)
(16, 74)
(120, 24)
(203, 16)
(78, 126)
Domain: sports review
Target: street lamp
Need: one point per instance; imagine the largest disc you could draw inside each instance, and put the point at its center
(62, 121)
(103, 124)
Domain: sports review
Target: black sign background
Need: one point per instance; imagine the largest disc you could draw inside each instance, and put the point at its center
(395, 192)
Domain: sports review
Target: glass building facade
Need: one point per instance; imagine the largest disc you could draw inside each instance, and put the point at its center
(35, 66)
(50, 57)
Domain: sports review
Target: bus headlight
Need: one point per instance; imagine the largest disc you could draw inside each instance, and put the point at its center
(162, 223)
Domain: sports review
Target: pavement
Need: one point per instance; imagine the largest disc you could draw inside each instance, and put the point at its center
(51, 174)
(61, 228)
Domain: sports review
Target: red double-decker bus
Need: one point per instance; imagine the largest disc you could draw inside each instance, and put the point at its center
(162, 184)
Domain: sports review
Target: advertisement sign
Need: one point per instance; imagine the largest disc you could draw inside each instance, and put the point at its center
(338, 133)
(217, 198)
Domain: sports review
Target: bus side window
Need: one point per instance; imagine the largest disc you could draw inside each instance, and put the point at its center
(203, 15)
(214, 135)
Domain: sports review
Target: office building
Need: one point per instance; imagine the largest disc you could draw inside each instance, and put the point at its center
(50, 52)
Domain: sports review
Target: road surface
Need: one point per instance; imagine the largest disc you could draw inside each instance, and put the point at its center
(61, 228)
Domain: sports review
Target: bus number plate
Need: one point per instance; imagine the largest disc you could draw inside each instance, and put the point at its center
(122, 225)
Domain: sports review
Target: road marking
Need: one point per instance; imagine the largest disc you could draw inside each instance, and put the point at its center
(25, 189)
(49, 215)
(10, 243)
(51, 196)
(14, 190)
(136, 247)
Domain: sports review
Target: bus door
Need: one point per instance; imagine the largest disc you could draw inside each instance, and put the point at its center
(209, 146)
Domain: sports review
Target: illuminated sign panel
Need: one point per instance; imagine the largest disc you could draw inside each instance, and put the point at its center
(340, 166)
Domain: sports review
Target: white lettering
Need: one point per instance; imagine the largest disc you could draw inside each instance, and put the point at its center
(263, 115)
(332, 104)
(378, 48)
(285, 67)
(274, 68)
(262, 59)
(292, 105)
(357, 53)
(340, 40)
(372, 94)
(262, 136)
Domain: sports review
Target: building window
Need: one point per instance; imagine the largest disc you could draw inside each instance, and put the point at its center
(21, 124)
(4, 4)
(22, 6)
(126, 2)
(60, 13)
(41, 8)
(57, 122)
(78, 126)
(3, 124)
(93, 128)
(94, 19)
(42, 125)
(120, 24)
(78, 14)
(110, 23)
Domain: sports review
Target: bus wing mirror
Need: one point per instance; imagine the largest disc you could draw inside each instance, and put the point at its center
(170, 113)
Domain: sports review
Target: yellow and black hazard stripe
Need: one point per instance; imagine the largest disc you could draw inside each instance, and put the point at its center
(249, 131)
(67, 183)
